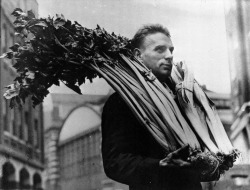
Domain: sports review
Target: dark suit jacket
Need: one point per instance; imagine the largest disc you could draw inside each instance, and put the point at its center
(131, 155)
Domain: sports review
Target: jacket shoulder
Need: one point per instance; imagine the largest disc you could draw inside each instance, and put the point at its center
(115, 100)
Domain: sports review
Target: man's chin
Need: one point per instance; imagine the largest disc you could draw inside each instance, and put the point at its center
(163, 76)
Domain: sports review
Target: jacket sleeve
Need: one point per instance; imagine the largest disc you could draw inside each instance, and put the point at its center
(121, 159)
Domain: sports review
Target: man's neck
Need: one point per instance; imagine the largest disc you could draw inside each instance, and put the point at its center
(169, 82)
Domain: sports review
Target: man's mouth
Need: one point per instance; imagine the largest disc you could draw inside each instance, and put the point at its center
(169, 67)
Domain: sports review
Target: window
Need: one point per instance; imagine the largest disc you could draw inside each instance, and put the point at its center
(36, 133)
(98, 143)
(26, 117)
(18, 121)
(91, 145)
(26, 125)
(4, 37)
(15, 121)
(4, 110)
(11, 39)
(79, 150)
(20, 124)
(12, 121)
(29, 127)
(11, 42)
(71, 153)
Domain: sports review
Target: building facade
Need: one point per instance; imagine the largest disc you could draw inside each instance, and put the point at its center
(237, 19)
(72, 146)
(21, 137)
(79, 150)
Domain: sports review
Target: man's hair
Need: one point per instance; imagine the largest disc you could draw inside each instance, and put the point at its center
(146, 30)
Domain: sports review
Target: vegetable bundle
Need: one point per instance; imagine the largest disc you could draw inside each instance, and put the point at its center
(56, 49)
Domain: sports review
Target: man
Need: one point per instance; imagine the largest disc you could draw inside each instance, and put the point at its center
(130, 153)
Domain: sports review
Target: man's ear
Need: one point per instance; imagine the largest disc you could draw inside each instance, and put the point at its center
(137, 53)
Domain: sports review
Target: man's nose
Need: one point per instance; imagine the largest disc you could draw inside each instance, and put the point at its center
(168, 54)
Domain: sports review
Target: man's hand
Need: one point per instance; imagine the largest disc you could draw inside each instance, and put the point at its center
(177, 158)
(227, 162)
(179, 162)
(225, 166)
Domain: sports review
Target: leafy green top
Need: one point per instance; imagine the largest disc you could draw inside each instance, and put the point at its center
(55, 49)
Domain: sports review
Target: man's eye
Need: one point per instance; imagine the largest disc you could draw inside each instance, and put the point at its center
(160, 49)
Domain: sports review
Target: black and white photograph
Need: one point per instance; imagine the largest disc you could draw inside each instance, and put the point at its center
(125, 94)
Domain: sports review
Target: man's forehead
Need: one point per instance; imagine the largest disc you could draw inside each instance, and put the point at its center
(156, 39)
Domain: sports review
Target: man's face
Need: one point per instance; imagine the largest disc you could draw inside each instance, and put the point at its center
(156, 53)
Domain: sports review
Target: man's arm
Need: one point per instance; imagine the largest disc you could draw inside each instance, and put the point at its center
(123, 161)
(121, 157)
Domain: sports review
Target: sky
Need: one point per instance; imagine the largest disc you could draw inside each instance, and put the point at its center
(197, 29)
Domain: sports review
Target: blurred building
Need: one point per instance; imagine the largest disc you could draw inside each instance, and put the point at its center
(21, 137)
(237, 16)
(81, 165)
(237, 19)
(72, 143)
(56, 109)
(223, 106)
